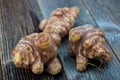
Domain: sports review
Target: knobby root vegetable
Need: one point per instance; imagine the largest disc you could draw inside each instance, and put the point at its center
(39, 50)
(87, 42)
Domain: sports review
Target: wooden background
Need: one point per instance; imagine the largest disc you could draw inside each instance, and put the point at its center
(21, 17)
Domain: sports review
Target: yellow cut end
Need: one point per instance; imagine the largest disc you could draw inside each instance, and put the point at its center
(17, 58)
(81, 67)
(87, 43)
(37, 68)
(74, 36)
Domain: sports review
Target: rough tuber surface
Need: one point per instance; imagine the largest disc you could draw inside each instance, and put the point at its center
(87, 42)
(39, 50)
(60, 23)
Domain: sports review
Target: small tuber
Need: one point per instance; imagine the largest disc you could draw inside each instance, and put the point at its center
(87, 42)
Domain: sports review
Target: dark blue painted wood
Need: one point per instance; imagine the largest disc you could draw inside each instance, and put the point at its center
(107, 17)
(68, 62)
(1, 74)
(19, 18)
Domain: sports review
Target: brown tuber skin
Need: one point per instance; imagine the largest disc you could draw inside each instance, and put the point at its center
(40, 49)
(87, 42)
(35, 50)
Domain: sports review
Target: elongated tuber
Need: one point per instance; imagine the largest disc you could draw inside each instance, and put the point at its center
(39, 50)
(60, 22)
(87, 42)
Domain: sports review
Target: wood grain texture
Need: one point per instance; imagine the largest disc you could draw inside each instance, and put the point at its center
(106, 15)
(68, 62)
(18, 20)
(36, 14)
(1, 74)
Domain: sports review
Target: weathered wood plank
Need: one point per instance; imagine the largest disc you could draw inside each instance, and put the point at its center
(18, 26)
(1, 74)
(106, 15)
(35, 13)
(17, 21)
(68, 62)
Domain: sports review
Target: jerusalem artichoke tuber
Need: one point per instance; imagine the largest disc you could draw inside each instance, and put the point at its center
(87, 42)
(40, 49)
